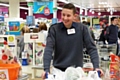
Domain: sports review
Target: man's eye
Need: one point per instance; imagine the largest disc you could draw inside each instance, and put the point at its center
(63, 14)
(68, 15)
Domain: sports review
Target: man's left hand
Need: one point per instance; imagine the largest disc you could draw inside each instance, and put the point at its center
(101, 71)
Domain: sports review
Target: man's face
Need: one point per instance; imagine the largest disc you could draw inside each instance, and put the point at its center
(67, 17)
(115, 21)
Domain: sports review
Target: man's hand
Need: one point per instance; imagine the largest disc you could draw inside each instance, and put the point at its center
(43, 75)
(101, 71)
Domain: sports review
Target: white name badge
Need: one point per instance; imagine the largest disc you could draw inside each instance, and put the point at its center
(71, 31)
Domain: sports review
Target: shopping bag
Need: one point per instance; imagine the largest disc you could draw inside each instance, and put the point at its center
(56, 74)
(72, 73)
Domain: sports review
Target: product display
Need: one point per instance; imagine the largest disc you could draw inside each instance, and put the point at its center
(9, 64)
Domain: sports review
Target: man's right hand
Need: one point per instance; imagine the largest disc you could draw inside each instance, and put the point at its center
(43, 75)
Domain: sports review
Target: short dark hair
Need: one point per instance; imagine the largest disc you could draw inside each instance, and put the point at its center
(70, 6)
(112, 19)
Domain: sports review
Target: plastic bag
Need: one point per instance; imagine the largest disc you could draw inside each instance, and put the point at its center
(72, 73)
(107, 75)
(56, 75)
(94, 75)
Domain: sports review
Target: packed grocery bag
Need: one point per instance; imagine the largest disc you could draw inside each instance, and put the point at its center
(72, 73)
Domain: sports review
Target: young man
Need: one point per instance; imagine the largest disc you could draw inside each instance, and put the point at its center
(66, 40)
(112, 33)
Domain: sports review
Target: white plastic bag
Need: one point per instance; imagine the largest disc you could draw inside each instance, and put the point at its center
(72, 73)
(94, 75)
(107, 75)
(58, 74)
(50, 77)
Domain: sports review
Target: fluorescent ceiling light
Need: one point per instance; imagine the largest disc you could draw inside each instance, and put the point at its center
(25, 8)
(60, 8)
(99, 13)
(1, 4)
(64, 1)
(93, 12)
(7, 5)
(111, 12)
(90, 10)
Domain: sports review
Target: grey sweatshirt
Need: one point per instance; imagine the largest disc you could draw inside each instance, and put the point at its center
(68, 48)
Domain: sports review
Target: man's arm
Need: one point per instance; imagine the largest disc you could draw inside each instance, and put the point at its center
(91, 47)
(49, 49)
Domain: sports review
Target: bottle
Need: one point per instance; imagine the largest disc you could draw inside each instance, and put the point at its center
(24, 58)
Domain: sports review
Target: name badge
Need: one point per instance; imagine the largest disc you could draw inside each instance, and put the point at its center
(71, 31)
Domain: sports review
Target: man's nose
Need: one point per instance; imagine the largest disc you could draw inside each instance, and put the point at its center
(65, 17)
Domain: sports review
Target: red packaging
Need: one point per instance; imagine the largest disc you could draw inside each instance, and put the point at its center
(114, 58)
(114, 70)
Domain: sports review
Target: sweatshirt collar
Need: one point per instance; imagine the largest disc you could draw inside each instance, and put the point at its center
(72, 26)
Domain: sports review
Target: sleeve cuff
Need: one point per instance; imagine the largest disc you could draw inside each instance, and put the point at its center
(47, 70)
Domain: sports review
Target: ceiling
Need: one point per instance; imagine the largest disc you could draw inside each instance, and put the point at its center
(9, 0)
(100, 5)
(96, 5)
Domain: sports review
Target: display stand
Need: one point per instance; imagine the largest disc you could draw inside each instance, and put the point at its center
(11, 41)
(8, 57)
(32, 38)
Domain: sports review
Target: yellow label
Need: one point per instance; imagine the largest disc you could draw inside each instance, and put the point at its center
(11, 38)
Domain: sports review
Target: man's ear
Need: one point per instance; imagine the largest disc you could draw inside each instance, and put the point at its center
(75, 15)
